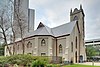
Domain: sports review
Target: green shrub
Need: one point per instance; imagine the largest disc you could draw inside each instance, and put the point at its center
(3, 60)
(49, 65)
(44, 58)
(39, 63)
(53, 65)
(21, 59)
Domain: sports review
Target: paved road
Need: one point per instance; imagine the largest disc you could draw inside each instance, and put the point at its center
(91, 63)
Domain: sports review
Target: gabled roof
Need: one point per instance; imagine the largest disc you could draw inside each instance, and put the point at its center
(63, 29)
(40, 25)
(56, 31)
(41, 30)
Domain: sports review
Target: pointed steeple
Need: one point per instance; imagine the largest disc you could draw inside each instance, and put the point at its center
(81, 7)
(71, 11)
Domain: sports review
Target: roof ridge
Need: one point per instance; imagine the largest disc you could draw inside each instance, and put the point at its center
(48, 30)
(62, 24)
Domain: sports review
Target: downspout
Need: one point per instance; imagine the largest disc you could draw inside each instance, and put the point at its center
(56, 48)
(79, 46)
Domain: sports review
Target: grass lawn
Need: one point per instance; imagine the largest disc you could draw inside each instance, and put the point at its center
(78, 65)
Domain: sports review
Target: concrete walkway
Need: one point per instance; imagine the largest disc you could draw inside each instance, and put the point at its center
(91, 63)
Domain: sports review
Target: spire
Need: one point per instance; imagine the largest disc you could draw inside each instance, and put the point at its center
(71, 11)
(81, 9)
(80, 6)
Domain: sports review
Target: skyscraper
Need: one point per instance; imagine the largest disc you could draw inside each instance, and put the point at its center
(21, 7)
(3, 3)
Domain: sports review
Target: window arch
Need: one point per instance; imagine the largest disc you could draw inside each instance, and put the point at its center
(76, 42)
(6, 50)
(10, 48)
(60, 48)
(29, 44)
(71, 46)
(43, 43)
(75, 18)
(18, 46)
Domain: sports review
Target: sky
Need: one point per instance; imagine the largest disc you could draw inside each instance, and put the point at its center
(56, 12)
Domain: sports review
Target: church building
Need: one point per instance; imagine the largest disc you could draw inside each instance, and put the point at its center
(66, 40)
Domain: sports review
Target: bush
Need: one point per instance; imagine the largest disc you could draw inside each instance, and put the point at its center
(21, 59)
(49, 65)
(39, 63)
(53, 65)
(3, 60)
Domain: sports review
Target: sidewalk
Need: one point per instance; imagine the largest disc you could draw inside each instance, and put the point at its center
(91, 63)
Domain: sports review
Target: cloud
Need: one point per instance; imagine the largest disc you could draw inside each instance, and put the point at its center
(93, 29)
(56, 12)
(36, 3)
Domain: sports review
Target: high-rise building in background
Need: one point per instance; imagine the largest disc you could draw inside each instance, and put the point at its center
(22, 7)
(31, 19)
(3, 3)
(26, 14)
(6, 13)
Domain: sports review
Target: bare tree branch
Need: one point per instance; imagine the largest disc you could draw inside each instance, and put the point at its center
(4, 28)
(17, 24)
(7, 29)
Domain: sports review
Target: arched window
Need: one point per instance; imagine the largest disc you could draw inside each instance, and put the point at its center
(71, 46)
(43, 42)
(29, 44)
(60, 48)
(10, 48)
(6, 50)
(18, 46)
(75, 18)
(76, 42)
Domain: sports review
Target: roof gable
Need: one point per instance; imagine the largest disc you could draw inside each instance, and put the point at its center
(40, 25)
(42, 30)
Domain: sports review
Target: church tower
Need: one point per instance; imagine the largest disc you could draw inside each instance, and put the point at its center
(78, 14)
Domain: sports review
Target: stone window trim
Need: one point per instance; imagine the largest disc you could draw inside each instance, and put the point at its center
(60, 48)
(43, 43)
(76, 42)
(18, 46)
(71, 46)
(29, 44)
(29, 53)
(6, 50)
(43, 54)
(10, 48)
(75, 18)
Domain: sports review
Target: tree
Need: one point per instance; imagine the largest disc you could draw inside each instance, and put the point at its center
(12, 21)
(90, 51)
(19, 23)
(4, 27)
